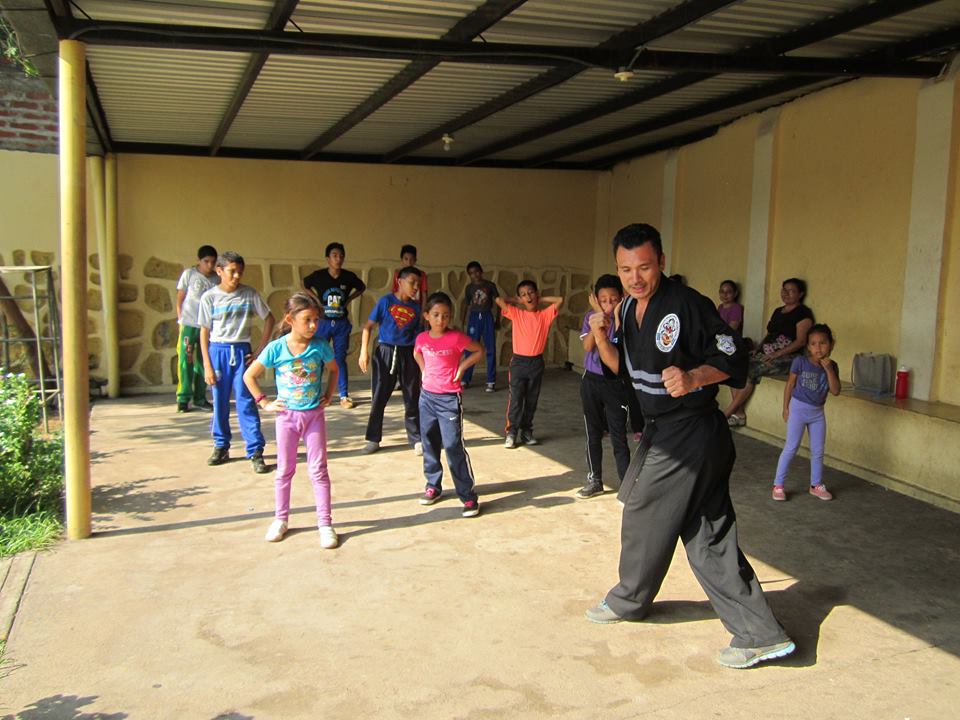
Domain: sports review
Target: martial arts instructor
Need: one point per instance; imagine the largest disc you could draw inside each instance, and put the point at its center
(674, 349)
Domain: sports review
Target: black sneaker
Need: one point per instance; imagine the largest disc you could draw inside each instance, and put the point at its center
(527, 438)
(590, 489)
(471, 508)
(204, 406)
(259, 466)
(219, 457)
(182, 407)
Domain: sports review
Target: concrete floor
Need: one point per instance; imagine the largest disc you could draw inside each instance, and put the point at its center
(176, 608)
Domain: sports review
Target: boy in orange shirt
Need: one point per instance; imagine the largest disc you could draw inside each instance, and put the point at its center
(530, 329)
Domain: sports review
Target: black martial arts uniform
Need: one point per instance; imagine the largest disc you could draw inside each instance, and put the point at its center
(677, 483)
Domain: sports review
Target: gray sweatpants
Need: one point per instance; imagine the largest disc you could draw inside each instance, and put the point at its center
(682, 470)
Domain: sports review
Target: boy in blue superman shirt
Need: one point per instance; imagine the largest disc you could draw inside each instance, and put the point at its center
(398, 316)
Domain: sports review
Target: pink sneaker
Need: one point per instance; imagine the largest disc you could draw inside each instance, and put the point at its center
(778, 493)
(820, 491)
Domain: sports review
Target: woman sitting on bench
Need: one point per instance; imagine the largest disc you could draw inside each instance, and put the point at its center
(785, 339)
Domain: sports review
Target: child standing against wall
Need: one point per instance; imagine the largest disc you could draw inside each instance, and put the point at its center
(193, 283)
(530, 327)
(811, 377)
(335, 288)
(398, 318)
(408, 259)
(602, 393)
(480, 321)
(226, 314)
(438, 352)
(299, 357)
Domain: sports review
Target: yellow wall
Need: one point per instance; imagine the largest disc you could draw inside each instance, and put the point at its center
(29, 204)
(947, 368)
(842, 209)
(293, 209)
(634, 194)
(712, 227)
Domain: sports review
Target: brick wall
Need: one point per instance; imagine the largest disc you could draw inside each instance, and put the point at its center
(28, 113)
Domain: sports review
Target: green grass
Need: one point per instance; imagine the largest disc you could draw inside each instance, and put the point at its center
(29, 532)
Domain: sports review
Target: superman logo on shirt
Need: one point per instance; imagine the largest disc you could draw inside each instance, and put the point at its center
(402, 315)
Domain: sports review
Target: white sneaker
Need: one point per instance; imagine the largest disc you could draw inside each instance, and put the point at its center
(491, 387)
(328, 537)
(276, 531)
(418, 449)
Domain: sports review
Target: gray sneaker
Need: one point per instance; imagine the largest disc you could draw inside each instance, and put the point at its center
(371, 447)
(510, 442)
(602, 614)
(740, 658)
(527, 438)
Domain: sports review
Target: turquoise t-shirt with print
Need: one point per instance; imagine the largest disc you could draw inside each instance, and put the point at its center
(298, 376)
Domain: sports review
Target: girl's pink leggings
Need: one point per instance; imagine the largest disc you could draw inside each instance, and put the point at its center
(312, 427)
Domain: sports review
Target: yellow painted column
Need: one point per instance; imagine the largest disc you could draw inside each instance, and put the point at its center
(109, 278)
(73, 282)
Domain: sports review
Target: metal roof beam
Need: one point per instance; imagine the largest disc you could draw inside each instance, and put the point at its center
(866, 14)
(469, 27)
(663, 24)
(279, 16)
(934, 43)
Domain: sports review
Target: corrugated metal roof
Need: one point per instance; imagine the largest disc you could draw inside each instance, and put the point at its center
(180, 97)
(415, 19)
(248, 14)
(164, 96)
(296, 98)
(444, 93)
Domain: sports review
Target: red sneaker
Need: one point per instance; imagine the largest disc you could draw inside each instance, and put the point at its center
(820, 491)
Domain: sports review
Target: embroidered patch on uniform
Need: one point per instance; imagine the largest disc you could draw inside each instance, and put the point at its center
(726, 345)
(668, 332)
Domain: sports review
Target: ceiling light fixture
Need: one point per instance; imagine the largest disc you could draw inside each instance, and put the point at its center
(447, 141)
(625, 72)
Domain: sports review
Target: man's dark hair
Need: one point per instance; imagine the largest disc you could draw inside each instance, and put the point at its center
(635, 235)
(474, 264)
(412, 249)
(526, 283)
(230, 257)
(205, 251)
(610, 282)
(407, 271)
(334, 246)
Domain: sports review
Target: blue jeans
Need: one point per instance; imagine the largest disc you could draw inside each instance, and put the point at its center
(441, 425)
(228, 365)
(339, 332)
(480, 327)
(810, 417)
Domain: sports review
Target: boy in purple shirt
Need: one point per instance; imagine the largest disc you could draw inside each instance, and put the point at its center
(603, 395)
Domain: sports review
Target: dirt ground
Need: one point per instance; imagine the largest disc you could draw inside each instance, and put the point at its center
(177, 608)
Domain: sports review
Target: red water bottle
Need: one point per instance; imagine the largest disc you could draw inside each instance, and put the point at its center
(903, 383)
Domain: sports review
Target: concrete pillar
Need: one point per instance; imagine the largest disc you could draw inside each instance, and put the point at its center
(109, 278)
(73, 279)
(763, 191)
(669, 205)
(926, 233)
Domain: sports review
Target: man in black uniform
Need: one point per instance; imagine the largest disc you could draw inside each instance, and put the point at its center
(675, 349)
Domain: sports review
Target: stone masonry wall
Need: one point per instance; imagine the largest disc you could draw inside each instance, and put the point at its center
(147, 325)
